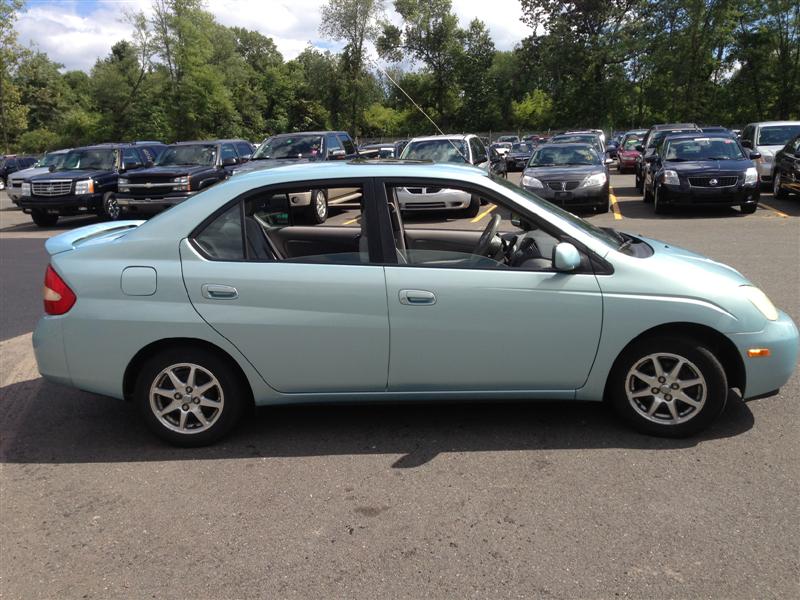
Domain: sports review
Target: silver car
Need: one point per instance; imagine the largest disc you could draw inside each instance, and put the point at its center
(42, 166)
(767, 138)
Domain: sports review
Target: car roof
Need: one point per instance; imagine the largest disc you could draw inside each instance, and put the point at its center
(761, 123)
(661, 126)
(209, 142)
(699, 135)
(310, 133)
(453, 136)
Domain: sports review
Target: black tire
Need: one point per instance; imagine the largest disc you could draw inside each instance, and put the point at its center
(234, 395)
(474, 207)
(699, 358)
(748, 209)
(639, 187)
(777, 190)
(659, 207)
(647, 196)
(318, 207)
(109, 208)
(44, 219)
(605, 206)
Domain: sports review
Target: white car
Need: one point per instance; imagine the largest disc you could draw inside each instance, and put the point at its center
(767, 138)
(42, 166)
(457, 149)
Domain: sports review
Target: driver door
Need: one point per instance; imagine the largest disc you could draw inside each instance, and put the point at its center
(461, 322)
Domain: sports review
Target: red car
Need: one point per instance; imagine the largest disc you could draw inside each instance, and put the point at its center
(627, 153)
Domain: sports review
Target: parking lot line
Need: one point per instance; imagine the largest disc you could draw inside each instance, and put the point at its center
(780, 213)
(484, 213)
(351, 221)
(614, 206)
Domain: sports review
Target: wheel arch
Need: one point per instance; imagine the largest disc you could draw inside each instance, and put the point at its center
(131, 371)
(719, 344)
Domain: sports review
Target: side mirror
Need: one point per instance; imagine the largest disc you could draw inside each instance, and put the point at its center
(129, 166)
(566, 257)
(51, 168)
(336, 154)
(651, 158)
(229, 162)
(747, 143)
(149, 164)
(246, 157)
(755, 155)
(639, 148)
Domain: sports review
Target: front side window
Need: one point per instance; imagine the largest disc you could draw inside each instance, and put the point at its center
(227, 152)
(244, 149)
(131, 157)
(439, 150)
(347, 143)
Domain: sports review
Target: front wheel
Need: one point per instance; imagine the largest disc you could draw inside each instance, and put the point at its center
(658, 206)
(639, 187)
(777, 188)
(669, 387)
(189, 396)
(748, 209)
(474, 207)
(110, 209)
(43, 218)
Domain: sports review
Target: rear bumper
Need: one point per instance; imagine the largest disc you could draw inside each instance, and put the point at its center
(62, 205)
(685, 195)
(766, 374)
(48, 347)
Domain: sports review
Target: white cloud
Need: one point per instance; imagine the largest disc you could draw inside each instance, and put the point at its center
(77, 38)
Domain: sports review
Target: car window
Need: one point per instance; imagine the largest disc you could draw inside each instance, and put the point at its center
(564, 155)
(150, 154)
(776, 135)
(130, 156)
(747, 134)
(244, 149)
(222, 238)
(349, 147)
(102, 159)
(439, 150)
(189, 154)
(478, 151)
(227, 151)
(333, 143)
(702, 149)
(796, 147)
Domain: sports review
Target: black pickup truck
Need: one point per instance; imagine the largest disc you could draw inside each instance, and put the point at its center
(181, 171)
(86, 182)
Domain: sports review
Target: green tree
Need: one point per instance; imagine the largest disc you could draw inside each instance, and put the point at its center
(478, 111)
(533, 111)
(13, 112)
(38, 140)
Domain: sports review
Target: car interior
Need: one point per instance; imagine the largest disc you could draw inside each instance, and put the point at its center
(427, 241)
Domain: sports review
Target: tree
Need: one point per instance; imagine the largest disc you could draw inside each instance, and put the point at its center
(478, 112)
(13, 112)
(533, 111)
(355, 22)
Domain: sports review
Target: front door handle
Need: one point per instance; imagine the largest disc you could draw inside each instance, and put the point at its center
(214, 291)
(416, 297)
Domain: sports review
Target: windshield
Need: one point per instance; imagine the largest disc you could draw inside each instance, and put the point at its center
(631, 142)
(290, 146)
(201, 155)
(702, 149)
(50, 159)
(452, 151)
(777, 135)
(558, 155)
(508, 138)
(586, 139)
(522, 147)
(101, 159)
(658, 136)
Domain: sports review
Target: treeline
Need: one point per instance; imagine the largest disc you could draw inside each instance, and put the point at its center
(598, 63)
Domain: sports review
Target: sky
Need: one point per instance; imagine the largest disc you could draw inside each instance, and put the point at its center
(78, 32)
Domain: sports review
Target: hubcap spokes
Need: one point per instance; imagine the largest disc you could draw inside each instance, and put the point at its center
(321, 205)
(666, 388)
(186, 398)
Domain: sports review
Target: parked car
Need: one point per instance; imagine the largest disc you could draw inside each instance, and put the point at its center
(580, 137)
(570, 175)
(508, 139)
(305, 147)
(767, 138)
(654, 136)
(222, 302)
(703, 170)
(497, 163)
(86, 182)
(377, 151)
(51, 160)
(502, 148)
(181, 171)
(612, 148)
(627, 154)
(519, 156)
(786, 175)
(457, 149)
(11, 164)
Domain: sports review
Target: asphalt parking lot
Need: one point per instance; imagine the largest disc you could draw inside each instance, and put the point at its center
(481, 500)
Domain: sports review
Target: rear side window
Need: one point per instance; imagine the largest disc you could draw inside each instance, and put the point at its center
(349, 148)
(227, 151)
(222, 238)
(244, 149)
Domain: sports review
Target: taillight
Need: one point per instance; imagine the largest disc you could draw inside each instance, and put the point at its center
(58, 298)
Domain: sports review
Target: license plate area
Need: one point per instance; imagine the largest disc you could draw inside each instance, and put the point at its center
(563, 195)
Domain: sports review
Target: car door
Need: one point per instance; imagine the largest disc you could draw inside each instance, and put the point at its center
(480, 158)
(316, 322)
(487, 327)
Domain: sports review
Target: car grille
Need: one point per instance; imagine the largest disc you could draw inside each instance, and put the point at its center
(430, 190)
(53, 187)
(719, 181)
(559, 186)
(420, 205)
(154, 190)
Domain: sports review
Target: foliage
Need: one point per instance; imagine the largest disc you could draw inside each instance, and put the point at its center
(38, 140)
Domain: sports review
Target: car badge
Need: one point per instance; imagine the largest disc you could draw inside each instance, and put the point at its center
(713, 182)
(563, 186)
(50, 188)
(148, 184)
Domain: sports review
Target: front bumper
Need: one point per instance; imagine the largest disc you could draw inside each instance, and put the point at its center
(62, 205)
(441, 199)
(48, 347)
(153, 202)
(766, 374)
(686, 195)
(578, 198)
(516, 163)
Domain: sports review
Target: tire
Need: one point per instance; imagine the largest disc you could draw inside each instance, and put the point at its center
(670, 416)
(109, 209)
(222, 408)
(748, 209)
(639, 186)
(474, 207)
(318, 207)
(647, 196)
(658, 207)
(605, 206)
(43, 219)
(777, 190)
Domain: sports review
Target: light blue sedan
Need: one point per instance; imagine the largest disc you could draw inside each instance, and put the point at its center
(227, 300)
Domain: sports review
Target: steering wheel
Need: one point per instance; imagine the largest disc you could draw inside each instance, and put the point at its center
(487, 236)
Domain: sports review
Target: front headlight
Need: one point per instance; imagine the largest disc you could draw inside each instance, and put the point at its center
(531, 182)
(123, 181)
(670, 177)
(760, 301)
(85, 186)
(183, 183)
(596, 180)
(751, 176)
(26, 189)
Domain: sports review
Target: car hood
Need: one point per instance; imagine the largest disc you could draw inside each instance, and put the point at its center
(165, 171)
(681, 257)
(708, 166)
(561, 173)
(74, 175)
(29, 172)
(268, 163)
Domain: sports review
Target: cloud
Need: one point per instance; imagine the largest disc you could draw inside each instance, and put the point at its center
(77, 34)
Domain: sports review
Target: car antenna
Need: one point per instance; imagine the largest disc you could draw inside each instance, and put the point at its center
(417, 106)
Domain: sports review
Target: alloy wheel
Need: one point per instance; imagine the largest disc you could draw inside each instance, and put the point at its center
(112, 207)
(186, 398)
(776, 184)
(320, 206)
(665, 388)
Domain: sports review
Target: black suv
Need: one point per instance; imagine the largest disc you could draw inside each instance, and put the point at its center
(649, 147)
(182, 170)
(12, 164)
(86, 182)
(304, 146)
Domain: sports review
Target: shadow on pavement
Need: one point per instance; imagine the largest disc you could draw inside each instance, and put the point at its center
(45, 423)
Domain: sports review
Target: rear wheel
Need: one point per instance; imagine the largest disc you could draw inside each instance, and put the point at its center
(318, 207)
(43, 218)
(670, 387)
(474, 207)
(189, 396)
(777, 188)
(110, 209)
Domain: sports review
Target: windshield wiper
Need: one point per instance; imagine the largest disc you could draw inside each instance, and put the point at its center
(719, 158)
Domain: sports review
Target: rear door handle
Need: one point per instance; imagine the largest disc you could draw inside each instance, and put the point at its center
(416, 297)
(214, 291)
